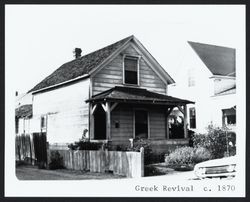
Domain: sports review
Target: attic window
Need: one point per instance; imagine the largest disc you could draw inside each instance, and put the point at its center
(131, 70)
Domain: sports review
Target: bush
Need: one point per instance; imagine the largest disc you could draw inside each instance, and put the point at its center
(187, 157)
(148, 153)
(201, 154)
(149, 157)
(56, 160)
(85, 145)
(181, 156)
(217, 140)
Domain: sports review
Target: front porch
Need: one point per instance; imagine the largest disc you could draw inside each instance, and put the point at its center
(121, 114)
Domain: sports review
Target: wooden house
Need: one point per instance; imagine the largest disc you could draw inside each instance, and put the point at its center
(116, 93)
(207, 76)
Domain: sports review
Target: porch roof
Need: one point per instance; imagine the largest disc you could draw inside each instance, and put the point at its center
(136, 95)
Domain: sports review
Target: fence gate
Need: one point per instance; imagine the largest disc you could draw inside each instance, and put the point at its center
(40, 147)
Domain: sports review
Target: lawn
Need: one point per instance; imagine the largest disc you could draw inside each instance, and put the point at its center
(26, 172)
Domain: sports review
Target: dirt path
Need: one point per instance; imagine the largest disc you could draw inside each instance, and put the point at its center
(33, 173)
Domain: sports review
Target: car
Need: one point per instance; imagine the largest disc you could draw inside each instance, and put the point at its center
(224, 167)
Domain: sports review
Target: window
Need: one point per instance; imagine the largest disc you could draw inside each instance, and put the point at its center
(191, 78)
(43, 123)
(16, 124)
(141, 124)
(192, 117)
(131, 70)
(229, 116)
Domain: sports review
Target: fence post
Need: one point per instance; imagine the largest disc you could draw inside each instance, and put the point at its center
(142, 161)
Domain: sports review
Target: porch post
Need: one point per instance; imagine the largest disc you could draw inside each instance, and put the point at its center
(167, 127)
(167, 119)
(185, 121)
(108, 121)
(92, 122)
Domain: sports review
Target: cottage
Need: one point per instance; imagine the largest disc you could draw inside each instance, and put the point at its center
(116, 93)
(207, 76)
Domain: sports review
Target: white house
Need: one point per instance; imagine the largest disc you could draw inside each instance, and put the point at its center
(117, 93)
(207, 76)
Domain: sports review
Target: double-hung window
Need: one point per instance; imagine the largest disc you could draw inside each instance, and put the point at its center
(192, 117)
(131, 70)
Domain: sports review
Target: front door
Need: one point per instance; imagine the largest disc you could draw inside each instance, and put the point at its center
(141, 124)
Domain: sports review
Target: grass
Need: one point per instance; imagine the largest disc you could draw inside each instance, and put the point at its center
(26, 172)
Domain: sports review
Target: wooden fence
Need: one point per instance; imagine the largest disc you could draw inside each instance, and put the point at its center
(129, 164)
(32, 148)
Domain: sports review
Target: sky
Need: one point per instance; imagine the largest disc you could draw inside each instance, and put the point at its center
(40, 38)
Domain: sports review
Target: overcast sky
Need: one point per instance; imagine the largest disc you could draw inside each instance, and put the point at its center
(41, 38)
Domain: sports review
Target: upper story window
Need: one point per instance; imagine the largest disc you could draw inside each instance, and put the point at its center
(131, 70)
(191, 78)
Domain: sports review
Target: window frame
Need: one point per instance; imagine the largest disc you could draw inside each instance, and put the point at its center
(225, 117)
(190, 108)
(148, 121)
(137, 57)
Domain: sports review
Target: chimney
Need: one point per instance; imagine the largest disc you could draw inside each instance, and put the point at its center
(77, 52)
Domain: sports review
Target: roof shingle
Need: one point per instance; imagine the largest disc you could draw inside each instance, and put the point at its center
(80, 66)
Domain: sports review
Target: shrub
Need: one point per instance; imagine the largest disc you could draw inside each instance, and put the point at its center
(56, 160)
(85, 145)
(180, 156)
(148, 153)
(187, 156)
(149, 157)
(219, 141)
(201, 154)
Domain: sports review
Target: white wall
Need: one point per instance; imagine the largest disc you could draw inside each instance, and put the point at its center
(221, 84)
(219, 103)
(208, 107)
(66, 110)
(200, 93)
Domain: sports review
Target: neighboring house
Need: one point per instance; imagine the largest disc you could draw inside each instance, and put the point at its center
(23, 113)
(116, 93)
(207, 77)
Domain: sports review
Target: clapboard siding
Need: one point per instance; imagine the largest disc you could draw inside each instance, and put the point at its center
(125, 118)
(66, 111)
(112, 75)
(157, 124)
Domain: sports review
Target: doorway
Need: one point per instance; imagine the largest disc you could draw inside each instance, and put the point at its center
(141, 124)
(99, 123)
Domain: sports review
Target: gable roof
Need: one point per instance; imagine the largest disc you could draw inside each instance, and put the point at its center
(136, 95)
(219, 60)
(85, 65)
(79, 66)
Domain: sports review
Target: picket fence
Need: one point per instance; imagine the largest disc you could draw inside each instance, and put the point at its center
(129, 163)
